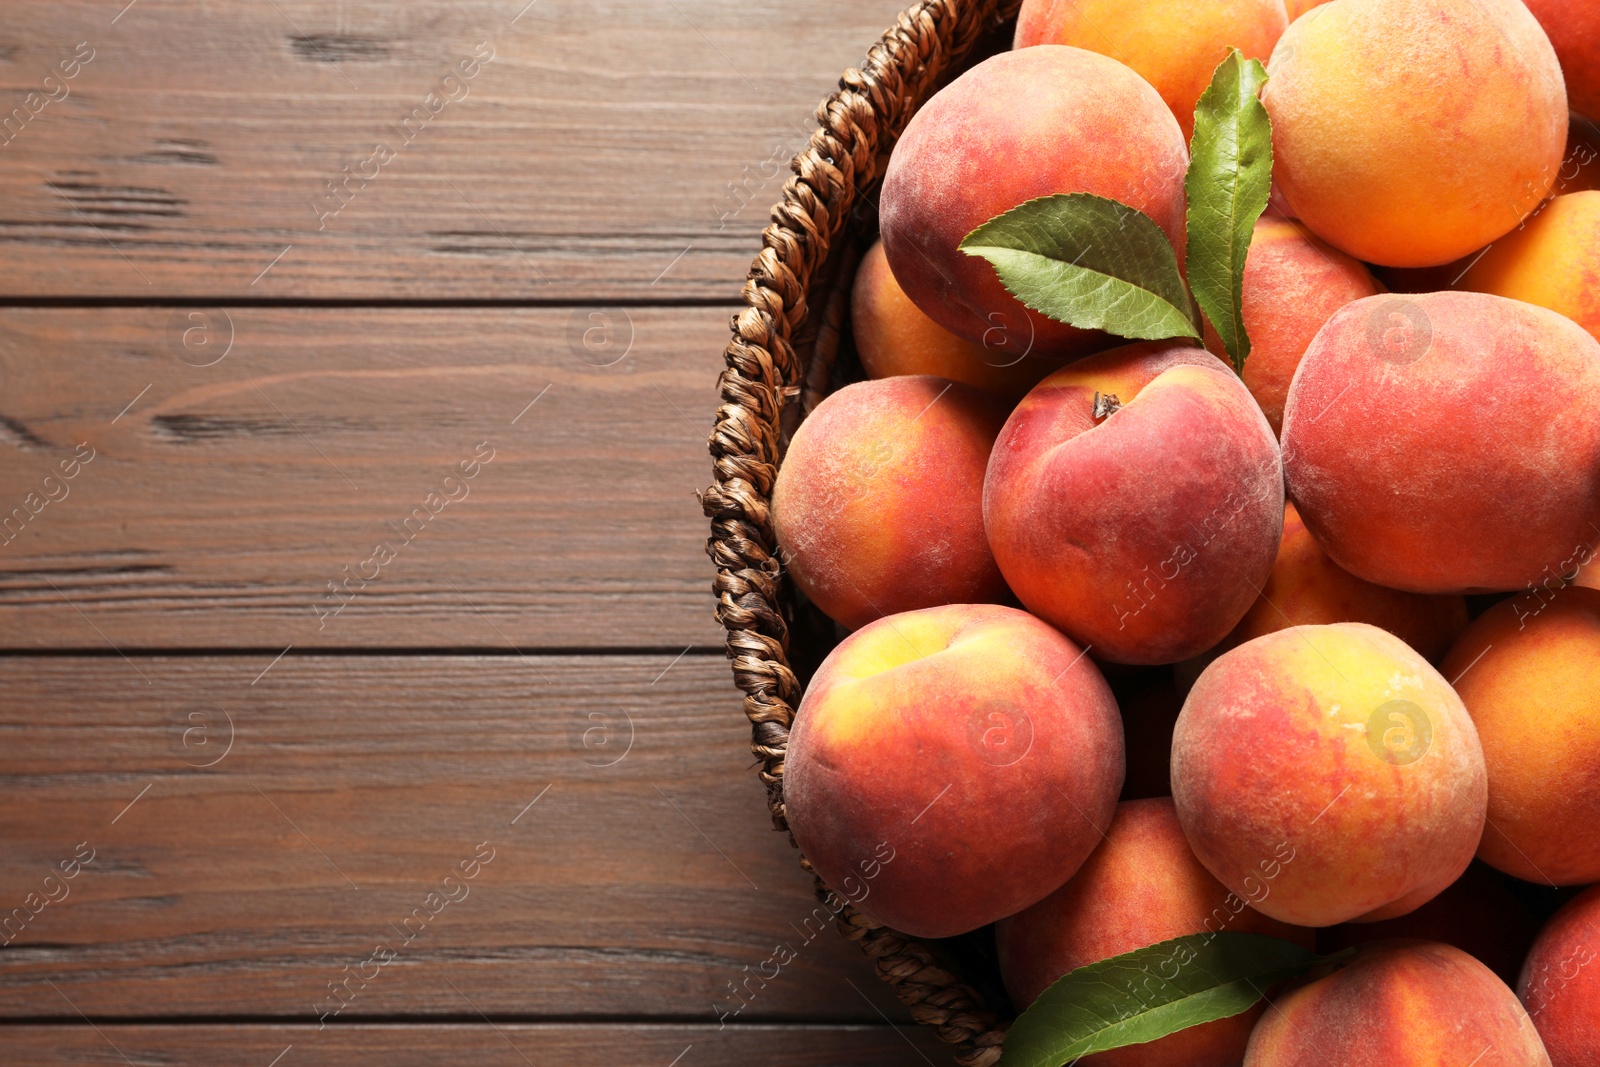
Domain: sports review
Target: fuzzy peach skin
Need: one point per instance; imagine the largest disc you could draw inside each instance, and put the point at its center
(1477, 914)
(1574, 29)
(1338, 755)
(1146, 533)
(1175, 45)
(1293, 283)
(1300, 7)
(1529, 672)
(894, 337)
(993, 139)
(1411, 132)
(1141, 887)
(1446, 442)
(1306, 587)
(1560, 983)
(1400, 1004)
(1553, 261)
(878, 503)
(975, 745)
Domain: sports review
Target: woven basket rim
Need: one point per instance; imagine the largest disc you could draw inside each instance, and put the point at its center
(770, 376)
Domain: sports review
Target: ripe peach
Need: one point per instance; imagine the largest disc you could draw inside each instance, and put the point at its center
(1145, 532)
(1141, 887)
(1174, 45)
(1411, 132)
(1574, 29)
(1300, 7)
(1477, 914)
(1293, 283)
(878, 504)
(993, 139)
(1400, 1004)
(893, 337)
(1529, 673)
(1552, 261)
(1306, 587)
(1338, 757)
(1560, 983)
(971, 750)
(1446, 442)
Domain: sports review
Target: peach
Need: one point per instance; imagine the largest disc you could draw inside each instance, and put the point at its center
(1144, 528)
(1411, 132)
(1293, 283)
(1529, 673)
(1174, 45)
(878, 504)
(1141, 887)
(1478, 915)
(1400, 1004)
(993, 139)
(1552, 261)
(1335, 758)
(1446, 442)
(1300, 7)
(1574, 29)
(1306, 587)
(951, 766)
(1560, 983)
(893, 337)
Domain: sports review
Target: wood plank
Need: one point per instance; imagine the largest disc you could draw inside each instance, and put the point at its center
(501, 1045)
(644, 881)
(602, 141)
(242, 504)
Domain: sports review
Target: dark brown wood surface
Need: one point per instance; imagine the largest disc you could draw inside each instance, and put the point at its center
(602, 140)
(223, 500)
(220, 397)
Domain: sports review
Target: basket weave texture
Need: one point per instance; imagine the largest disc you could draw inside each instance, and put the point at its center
(779, 365)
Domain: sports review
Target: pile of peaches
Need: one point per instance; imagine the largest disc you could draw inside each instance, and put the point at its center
(1136, 645)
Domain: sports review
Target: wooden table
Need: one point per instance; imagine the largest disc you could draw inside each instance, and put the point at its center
(360, 698)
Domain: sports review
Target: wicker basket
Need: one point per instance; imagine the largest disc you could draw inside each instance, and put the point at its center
(785, 356)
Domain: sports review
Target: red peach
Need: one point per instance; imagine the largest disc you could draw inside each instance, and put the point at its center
(1338, 757)
(972, 744)
(993, 139)
(1560, 983)
(1574, 29)
(1293, 283)
(878, 503)
(1400, 1004)
(1141, 887)
(1147, 531)
(1446, 442)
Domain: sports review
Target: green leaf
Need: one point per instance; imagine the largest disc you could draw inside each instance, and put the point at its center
(1089, 262)
(1152, 992)
(1229, 180)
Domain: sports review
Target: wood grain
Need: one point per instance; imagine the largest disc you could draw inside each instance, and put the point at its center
(642, 883)
(603, 141)
(504, 1045)
(223, 501)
